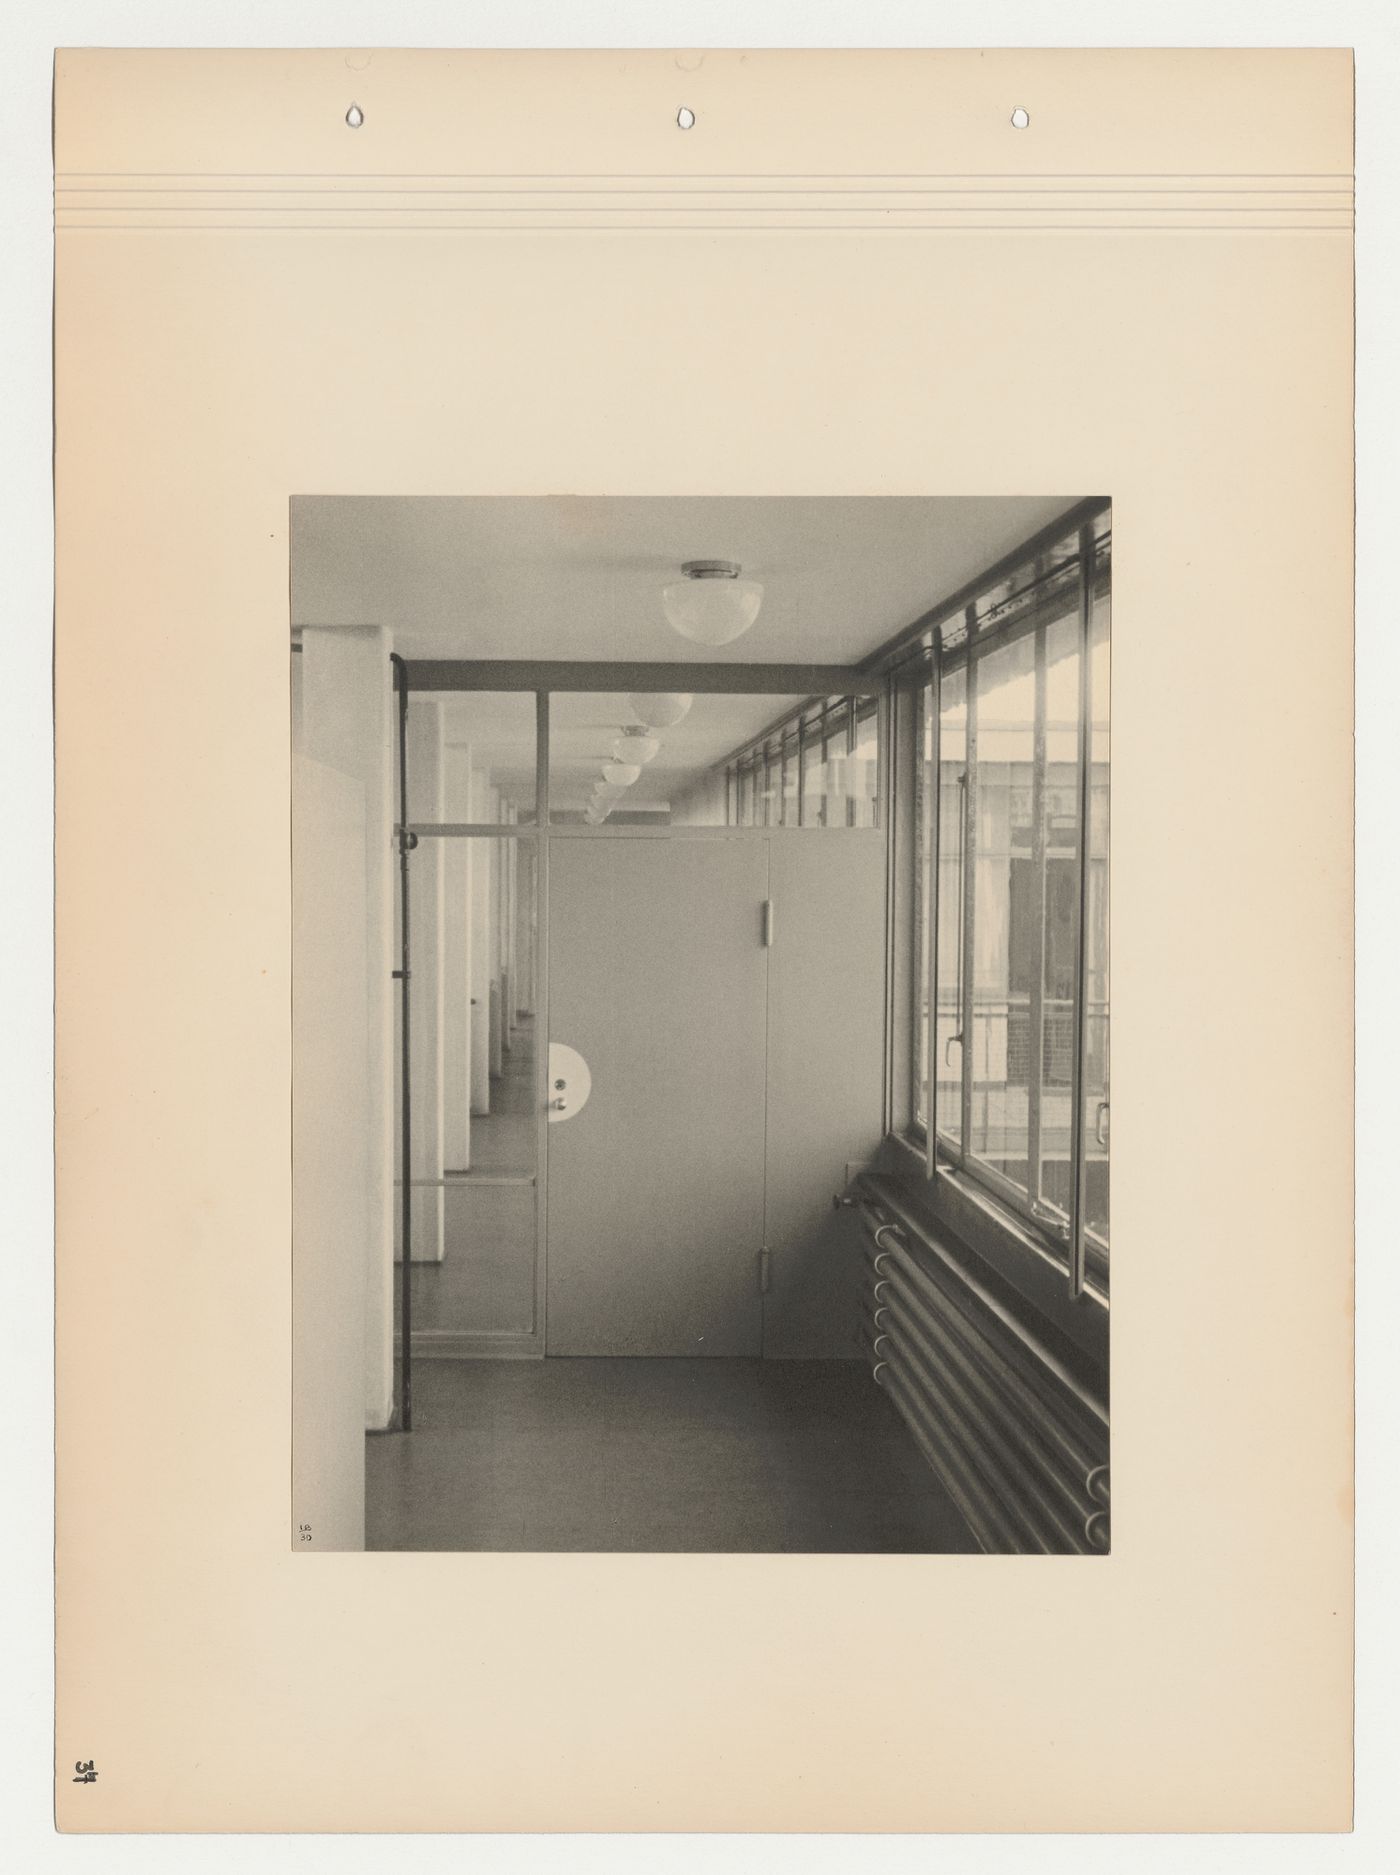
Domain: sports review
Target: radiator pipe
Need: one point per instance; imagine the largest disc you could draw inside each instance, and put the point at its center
(984, 1517)
(1059, 1526)
(1025, 1345)
(1048, 1415)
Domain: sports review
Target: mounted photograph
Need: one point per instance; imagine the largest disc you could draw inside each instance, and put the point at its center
(701, 1094)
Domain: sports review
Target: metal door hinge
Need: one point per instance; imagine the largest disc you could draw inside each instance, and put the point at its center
(768, 924)
(765, 1269)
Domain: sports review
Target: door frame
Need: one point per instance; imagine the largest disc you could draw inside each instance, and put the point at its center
(544, 678)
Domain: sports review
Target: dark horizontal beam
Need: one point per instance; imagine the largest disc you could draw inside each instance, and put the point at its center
(739, 680)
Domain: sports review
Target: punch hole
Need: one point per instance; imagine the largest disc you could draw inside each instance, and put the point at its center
(1020, 118)
(354, 117)
(685, 117)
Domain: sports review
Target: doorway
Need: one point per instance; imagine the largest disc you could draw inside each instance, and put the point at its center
(714, 974)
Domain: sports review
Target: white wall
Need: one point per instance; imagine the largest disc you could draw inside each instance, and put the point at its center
(702, 804)
(330, 1166)
(457, 933)
(826, 1022)
(345, 717)
(484, 808)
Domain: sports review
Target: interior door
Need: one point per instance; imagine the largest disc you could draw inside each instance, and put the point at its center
(658, 978)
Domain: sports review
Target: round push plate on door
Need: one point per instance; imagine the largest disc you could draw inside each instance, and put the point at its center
(570, 1083)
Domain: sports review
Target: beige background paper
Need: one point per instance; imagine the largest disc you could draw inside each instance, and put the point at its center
(852, 277)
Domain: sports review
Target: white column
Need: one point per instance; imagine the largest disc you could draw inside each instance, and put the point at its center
(347, 719)
(480, 863)
(457, 931)
(494, 941)
(426, 916)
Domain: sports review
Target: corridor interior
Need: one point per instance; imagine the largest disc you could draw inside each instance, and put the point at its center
(700, 1048)
(623, 1454)
(655, 1455)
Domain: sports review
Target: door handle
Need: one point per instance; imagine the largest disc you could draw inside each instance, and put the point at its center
(1100, 1115)
(570, 1083)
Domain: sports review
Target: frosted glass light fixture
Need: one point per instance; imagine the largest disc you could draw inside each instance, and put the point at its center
(710, 603)
(635, 745)
(608, 790)
(662, 710)
(621, 774)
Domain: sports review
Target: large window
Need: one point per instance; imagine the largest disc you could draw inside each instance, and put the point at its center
(819, 768)
(1010, 856)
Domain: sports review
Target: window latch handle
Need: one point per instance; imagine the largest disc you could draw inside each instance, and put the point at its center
(947, 1047)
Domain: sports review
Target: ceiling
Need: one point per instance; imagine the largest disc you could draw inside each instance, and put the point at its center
(580, 577)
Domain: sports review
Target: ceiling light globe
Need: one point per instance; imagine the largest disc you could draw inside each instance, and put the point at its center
(661, 709)
(621, 774)
(711, 605)
(635, 745)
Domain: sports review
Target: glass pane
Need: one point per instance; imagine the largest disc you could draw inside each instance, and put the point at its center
(836, 734)
(474, 1178)
(813, 777)
(864, 772)
(923, 863)
(772, 789)
(1096, 1079)
(1060, 846)
(1045, 588)
(948, 1048)
(1005, 935)
(790, 780)
(488, 750)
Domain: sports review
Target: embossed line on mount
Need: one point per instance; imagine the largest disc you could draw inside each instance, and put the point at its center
(633, 203)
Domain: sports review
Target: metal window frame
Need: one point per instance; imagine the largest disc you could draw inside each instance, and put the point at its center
(1082, 1252)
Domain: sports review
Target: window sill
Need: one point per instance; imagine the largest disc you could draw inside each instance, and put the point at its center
(1004, 1242)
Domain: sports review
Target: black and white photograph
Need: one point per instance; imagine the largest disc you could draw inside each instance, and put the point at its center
(599, 820)
(701, 1061)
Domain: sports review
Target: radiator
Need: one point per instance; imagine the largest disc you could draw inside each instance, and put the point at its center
(1020, 1446)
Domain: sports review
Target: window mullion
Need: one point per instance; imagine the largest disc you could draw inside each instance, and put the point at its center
(1081, 945)
(931, 755)
(969, 895)
(1036, 1014)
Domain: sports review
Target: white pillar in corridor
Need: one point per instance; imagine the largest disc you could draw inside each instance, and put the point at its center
(457, 948)
(346, 717)
(483, 809)
(425, 934)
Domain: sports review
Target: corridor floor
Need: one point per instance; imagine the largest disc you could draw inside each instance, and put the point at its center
(654, 1455)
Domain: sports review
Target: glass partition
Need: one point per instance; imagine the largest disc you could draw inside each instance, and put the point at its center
(475, 1121)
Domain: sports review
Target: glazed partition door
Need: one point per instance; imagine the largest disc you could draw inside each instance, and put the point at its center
(658, 982)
